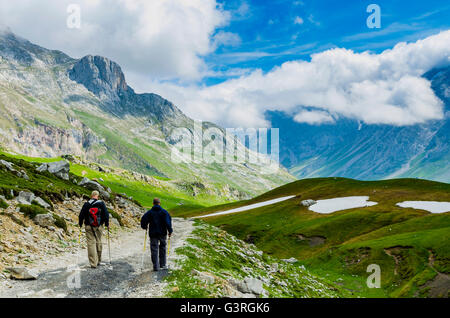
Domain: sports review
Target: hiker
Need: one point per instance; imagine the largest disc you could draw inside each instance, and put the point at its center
(160, 224)
(94, 215)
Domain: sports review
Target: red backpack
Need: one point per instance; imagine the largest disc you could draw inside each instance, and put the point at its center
(94, 216)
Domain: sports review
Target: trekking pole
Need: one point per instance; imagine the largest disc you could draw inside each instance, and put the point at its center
(168, 252)
(143, 252)
(79, 247)
(109, 248)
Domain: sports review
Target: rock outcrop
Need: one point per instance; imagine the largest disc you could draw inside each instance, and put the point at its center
(60, 169)
(93, 185)
(44, 220)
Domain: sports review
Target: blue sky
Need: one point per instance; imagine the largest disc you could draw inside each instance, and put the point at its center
(269, 35)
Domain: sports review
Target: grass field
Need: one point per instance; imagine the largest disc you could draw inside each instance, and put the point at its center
(411, 246)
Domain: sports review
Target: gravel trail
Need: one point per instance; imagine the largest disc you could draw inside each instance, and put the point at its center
(124, 277)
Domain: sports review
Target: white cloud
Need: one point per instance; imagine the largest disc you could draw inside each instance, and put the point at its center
(385, 88)
(298, 20)
(313, 117)
(226, 38)
(165, 38)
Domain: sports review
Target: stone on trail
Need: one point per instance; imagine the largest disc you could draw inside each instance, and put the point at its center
(21, 273)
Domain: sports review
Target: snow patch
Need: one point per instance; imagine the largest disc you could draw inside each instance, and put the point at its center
(247, 207)
(338, 204)
(430, 206)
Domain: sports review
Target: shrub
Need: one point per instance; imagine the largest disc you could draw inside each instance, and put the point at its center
(3, 204)
(31, 211)
(6, 193)
(60, 222)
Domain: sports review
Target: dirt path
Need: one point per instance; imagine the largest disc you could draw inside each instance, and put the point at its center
(58, 277)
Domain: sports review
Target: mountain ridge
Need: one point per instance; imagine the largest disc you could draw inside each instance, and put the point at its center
(52, 105)
(348, 148)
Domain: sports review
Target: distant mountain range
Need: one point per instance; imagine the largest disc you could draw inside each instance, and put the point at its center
(52, 104)
(350, 149)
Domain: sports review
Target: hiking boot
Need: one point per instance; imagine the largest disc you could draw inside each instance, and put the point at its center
(164, 267)
(155, 269)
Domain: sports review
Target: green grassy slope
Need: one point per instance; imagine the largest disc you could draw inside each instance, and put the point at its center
(138, 190)
(223, 257)
(411, 246)
(43, 184)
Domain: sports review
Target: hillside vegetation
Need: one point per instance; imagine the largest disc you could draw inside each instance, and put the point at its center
(141, 188)
(217, 264)
(411, 246)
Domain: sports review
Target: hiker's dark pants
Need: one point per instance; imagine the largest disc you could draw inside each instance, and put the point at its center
(158, 246)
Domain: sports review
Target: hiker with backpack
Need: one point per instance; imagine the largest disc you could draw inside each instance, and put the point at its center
(94, 215)
(159, 223)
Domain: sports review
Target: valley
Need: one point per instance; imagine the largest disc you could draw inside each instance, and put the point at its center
(342, 244)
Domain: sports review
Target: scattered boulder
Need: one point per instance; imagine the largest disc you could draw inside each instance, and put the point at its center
(60, 169)
(8, 165)
(42, 202)
(23, 174)
(255, 286)
(93, 185)
(44, 220)
(25, 197)
(291, 260)
(308, 202)
(230, 292)
(205, 276)
(249, 285)
(21, 273)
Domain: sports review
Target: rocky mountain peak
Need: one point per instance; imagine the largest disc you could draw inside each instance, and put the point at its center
(100, 76)
(18, 50)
